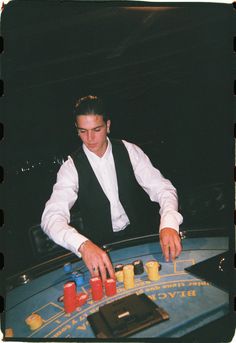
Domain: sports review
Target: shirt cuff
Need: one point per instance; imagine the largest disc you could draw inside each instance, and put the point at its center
(75, 243)
(171, 220)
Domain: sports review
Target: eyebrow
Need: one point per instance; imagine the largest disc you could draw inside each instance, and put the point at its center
(97, 127)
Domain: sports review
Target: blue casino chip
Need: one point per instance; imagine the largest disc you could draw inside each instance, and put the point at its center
(73, 275)
(67, 267)
(78, 278)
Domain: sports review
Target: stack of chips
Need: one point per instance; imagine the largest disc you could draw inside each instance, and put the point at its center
(128, 272)
(110, 287)
(138, 267)
(9, 332)
(78, 278)
(34, 321)
(96, 287)
(119, 272)
(81, 299)
(69, 297)
(152, 268)
(119, 276)
(67, 267)
(73, 275)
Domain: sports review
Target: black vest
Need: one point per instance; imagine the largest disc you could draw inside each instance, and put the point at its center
(94, 206)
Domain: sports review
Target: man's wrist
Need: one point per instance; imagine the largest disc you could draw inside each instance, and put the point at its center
(169, 227)
(82, 246)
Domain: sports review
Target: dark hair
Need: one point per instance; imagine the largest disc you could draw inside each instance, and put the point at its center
(90, 104)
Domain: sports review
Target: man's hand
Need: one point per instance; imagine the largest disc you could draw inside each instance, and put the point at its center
(96, 260)
(170, 243)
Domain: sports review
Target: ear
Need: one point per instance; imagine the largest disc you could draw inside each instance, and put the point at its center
(76, 126)
(108, 126)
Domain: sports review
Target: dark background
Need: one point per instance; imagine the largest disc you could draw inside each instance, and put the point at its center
(165, 73)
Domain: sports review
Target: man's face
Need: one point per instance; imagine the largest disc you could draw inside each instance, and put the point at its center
(93, 132)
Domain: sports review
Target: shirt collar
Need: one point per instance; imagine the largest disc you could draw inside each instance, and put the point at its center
(93, 156)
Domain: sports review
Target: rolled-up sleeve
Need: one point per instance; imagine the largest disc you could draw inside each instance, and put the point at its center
(56, 215)
(157, 187)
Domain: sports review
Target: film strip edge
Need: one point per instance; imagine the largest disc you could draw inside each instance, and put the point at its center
(1, 171)
(234, 122)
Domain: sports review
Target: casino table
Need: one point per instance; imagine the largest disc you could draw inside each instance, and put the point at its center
(191, 301)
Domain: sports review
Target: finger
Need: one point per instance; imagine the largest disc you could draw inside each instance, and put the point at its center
(95, 271)
(91, 270)
(162, 248)
(178, 246)
(102, 272)
(166, 252)
(109, 267)
(172, 251)
(164, 242)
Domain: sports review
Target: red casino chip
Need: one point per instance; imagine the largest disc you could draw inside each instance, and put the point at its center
(69, 297)
(81, 299)
(110, 287)
(96, 288)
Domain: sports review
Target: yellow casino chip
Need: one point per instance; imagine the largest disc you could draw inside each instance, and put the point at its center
(9, 332)
(119, 276)
(152, 269)
(128, 272)
(34, 321)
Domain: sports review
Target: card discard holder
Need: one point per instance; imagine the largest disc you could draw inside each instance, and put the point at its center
(126, 316)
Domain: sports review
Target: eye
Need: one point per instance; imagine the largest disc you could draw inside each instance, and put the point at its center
(97, 129)
(81, 131)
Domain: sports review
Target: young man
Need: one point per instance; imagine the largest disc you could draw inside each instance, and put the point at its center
(116, 186)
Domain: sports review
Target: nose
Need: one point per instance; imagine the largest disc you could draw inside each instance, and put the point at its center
(90, 135)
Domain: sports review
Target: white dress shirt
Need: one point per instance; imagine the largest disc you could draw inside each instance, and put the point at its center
(56, 215)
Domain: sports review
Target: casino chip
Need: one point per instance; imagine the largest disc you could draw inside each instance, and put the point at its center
(152, 268)
(138, 267)
(67, 267)
(74, 275)
(34, 321)
(60, 299)
(9, 332)
(128, 272)
(69, 297)
(119, 276)
(119, 267)
(81, 299)
(79, 279)
(110, 287)
(96, 288)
